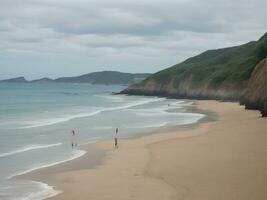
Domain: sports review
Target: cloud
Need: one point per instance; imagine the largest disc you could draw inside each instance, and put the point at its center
(151, 33)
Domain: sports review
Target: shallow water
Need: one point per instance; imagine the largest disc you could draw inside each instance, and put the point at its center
(36, 122)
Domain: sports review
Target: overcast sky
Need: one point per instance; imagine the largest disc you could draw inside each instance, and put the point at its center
(70, 37)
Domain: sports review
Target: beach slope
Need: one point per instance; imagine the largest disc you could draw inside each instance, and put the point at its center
(224, 159)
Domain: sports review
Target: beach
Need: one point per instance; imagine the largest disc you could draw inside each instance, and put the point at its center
(222, 159)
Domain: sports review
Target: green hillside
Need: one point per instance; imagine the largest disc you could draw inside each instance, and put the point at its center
(105, 77)
(220, 74)
(20, 79)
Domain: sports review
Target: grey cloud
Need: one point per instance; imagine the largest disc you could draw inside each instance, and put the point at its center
(141, 32)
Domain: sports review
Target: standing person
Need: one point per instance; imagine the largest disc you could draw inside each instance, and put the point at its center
(73, 139)
(116, 138)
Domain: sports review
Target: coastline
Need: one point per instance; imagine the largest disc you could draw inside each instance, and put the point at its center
(94, 155)
(179, 163)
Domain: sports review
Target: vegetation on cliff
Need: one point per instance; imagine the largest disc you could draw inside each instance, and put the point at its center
(105, 77)
(15, 80)
(217, 74)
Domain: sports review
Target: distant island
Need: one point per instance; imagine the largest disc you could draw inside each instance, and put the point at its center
(103, 78)
(223, 74)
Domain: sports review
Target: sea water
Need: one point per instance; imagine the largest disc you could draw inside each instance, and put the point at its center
(36, 121)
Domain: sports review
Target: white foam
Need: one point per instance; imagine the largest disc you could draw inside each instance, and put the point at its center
(91, 141)
(159, 110)
(45, 191)
(195, 117)
(52, 121)
(163, 110)
(147, 126)
(102, 128)
(183, 103)
(47, 122)
(144, 111)
(112, 97)
(78, 153)
(138, 103)
(29, 148)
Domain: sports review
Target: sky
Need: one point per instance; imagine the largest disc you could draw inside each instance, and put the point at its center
(53, 38)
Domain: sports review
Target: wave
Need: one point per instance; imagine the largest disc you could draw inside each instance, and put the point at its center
(102, 128)
(191, 118)
(78, 153)
(28, 148)
(185, 119)
(45, 192)
(26, 190)
(148, 126)
(47, 122)
(139, 103)
(183, 103)
(52, 121)
(160, 110)
(91, 141)
(111, 97)
(72, 93)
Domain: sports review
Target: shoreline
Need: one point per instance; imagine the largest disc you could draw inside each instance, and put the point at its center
(140, 155)
(94, 156)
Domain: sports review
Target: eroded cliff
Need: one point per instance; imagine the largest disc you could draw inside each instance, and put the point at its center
(255, 96)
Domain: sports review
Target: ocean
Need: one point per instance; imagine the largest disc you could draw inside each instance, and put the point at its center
(36, 121)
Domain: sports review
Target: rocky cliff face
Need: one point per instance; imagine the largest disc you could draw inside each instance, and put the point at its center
(214, 74)
(256, 94)
(186, 89)
(225, 74)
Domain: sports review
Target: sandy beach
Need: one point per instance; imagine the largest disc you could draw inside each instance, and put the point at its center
(223, 159)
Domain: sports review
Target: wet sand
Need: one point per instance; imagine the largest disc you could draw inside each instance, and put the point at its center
(224, 159)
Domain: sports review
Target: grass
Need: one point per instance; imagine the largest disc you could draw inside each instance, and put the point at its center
(221, 68)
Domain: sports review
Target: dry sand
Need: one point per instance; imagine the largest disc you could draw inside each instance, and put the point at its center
(225, 159)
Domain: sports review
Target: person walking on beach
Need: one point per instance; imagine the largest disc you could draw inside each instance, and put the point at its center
(73, 143)
(116, 138)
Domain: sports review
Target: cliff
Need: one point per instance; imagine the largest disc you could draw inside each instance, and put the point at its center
(214, 74)
(255, 96)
